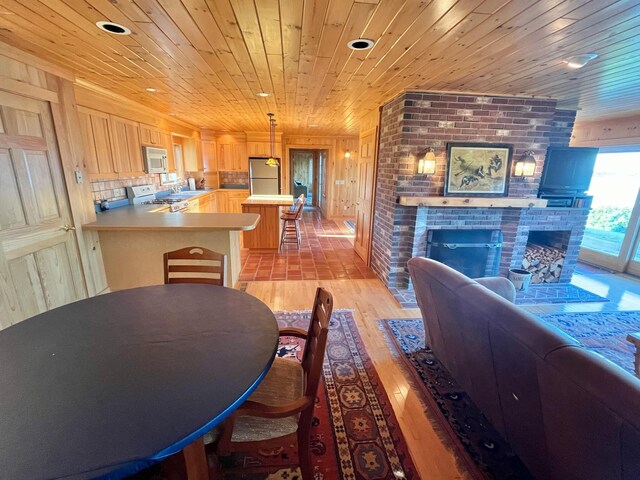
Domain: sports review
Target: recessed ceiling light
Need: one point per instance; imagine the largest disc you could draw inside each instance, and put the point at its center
(313, 125)
(263, 94)
(151, 89)
(173, 114)
(360, 44)
(114, 28)
(579, 61)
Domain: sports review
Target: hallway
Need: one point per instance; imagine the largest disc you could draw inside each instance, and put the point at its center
(326, 253)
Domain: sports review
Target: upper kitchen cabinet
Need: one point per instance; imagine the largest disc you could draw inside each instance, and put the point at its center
(97, 146)
(171, 158)
(232, 153)
(209, 160)
(258, 144)
(192, 155)
(152, 136)
(126, 147)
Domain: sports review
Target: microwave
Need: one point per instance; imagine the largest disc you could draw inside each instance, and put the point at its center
(155, 160)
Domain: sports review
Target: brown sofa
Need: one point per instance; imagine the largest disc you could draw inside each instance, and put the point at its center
(566, 411)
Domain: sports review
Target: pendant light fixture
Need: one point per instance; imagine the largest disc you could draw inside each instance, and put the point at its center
(272, 161)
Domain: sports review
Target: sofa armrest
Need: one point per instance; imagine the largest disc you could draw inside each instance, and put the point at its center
(499, 285)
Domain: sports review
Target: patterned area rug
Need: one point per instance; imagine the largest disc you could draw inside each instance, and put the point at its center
(556, 293)
(479, 447)
(603, 332)
(355, 434)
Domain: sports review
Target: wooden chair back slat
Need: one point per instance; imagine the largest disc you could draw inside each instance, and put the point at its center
(315, 345)
(194, 265)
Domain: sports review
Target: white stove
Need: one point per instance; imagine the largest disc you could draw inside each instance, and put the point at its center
(146, 195)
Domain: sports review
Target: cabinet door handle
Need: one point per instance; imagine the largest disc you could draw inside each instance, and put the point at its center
(67, 227)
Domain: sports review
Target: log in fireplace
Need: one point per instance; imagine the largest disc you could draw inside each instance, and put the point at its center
(545, 255)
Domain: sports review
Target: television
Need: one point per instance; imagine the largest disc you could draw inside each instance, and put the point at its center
(567, 170)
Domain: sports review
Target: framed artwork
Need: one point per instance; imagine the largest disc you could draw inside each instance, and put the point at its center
(478, 169)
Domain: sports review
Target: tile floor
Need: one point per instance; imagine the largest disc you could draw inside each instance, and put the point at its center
(326, 253)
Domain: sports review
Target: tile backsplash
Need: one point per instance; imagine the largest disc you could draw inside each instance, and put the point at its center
(115, 189)
(234, 177)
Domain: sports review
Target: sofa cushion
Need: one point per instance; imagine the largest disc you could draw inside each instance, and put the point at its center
(591, 410)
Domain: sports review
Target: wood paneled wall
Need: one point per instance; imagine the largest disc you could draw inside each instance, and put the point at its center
(605, 133)
(26, 75)
(114, 104)
(341, 198)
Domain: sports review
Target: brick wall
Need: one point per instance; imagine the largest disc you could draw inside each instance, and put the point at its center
(415, 121)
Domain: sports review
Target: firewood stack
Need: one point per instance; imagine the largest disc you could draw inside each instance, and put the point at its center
(544, 263)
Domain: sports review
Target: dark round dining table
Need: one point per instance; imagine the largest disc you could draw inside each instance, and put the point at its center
(116, 381)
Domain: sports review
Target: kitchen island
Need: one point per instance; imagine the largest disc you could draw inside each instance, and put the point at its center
(267, 233)
(134, 238)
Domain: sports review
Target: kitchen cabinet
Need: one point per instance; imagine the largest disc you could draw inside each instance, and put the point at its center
(98, 156)
(152, 136)
(171, 159)
(209, 160)
(232, 154)
(192, 155)
(263, 149)
(230, 201)
(126, 147)
(207, 203)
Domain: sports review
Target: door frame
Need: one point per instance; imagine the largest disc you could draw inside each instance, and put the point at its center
(315, 160)
(286, 167)
(623, 262)
(376, 131)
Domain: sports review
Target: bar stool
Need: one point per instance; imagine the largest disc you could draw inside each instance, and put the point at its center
(291, 224)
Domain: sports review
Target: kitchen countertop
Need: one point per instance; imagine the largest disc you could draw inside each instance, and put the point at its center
(143, 217)
(275, 200)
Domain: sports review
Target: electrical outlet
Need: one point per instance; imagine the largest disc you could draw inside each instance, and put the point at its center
(339, 182)
(79, 177)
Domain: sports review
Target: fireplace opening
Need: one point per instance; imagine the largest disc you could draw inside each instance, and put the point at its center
(476, 253)
(544, 255)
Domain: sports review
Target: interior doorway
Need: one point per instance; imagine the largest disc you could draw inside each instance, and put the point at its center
(308, 173)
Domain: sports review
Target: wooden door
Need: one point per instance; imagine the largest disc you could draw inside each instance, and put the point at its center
(39, 261)
(365, 188)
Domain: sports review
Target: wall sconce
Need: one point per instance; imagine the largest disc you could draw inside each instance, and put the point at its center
(526, 166)
(427, 164)
(347, 154)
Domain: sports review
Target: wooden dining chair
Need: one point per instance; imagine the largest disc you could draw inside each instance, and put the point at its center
(283, 403)
(291, 224)
(194, 265)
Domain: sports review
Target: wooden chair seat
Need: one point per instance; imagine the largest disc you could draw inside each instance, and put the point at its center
(283, 384)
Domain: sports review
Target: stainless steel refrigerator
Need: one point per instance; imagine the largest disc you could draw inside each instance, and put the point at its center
(263, 179)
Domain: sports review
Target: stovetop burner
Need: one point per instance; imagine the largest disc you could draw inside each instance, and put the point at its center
(160, 201)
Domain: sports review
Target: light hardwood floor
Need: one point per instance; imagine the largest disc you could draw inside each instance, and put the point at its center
(371, 301)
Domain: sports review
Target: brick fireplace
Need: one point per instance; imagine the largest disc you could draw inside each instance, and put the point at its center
(415, 121)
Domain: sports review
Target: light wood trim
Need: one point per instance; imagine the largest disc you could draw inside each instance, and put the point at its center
(38, 62)
(478, 202)
(28, 90)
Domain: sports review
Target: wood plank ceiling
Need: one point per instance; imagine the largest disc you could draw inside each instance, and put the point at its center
(209, 58)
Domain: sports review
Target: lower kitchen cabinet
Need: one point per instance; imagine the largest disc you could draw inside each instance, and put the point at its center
(230, 201)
